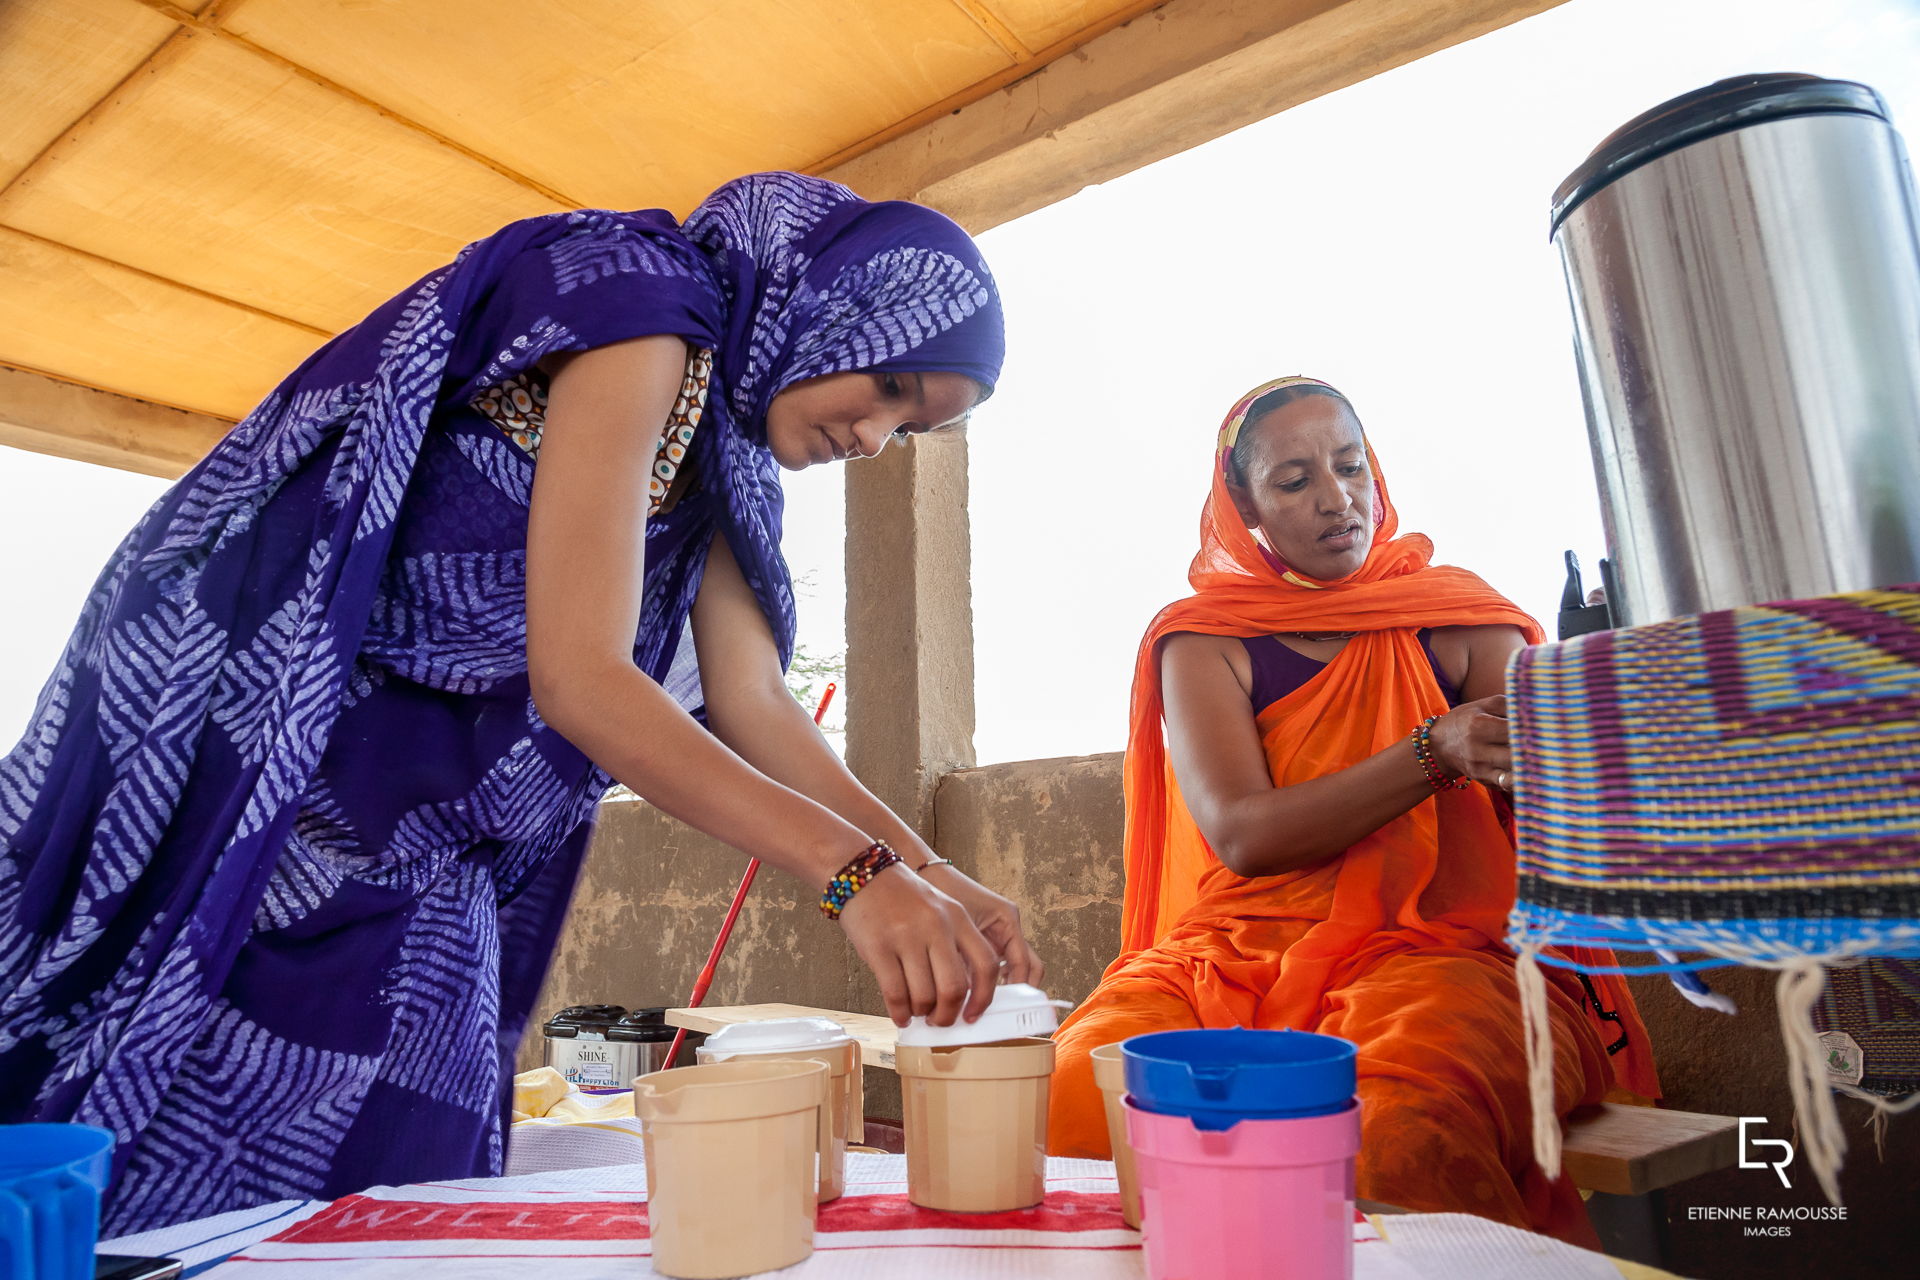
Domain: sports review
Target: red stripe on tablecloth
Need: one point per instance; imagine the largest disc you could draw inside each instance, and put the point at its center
(536, 1257)
(1061, 1211)
(363, 1219)
(425, 1257)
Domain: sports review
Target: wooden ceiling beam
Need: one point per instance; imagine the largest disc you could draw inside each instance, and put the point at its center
(1015, 71)
(52, 416)
(1183, 74)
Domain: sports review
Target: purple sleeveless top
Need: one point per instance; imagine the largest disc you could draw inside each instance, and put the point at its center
(1278, 670)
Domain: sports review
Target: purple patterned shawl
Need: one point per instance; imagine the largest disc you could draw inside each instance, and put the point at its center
(286, 847)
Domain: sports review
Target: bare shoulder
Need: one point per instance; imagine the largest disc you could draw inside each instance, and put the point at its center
(1475, 657)
(1192, 654)
(1192, 646)
(1496, 634)
(620, 362)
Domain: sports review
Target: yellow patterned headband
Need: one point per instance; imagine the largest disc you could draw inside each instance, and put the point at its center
(1230, 434)
(1230, 431)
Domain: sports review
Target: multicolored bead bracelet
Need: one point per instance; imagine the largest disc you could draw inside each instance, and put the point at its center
(855, 876)
(1437, 777)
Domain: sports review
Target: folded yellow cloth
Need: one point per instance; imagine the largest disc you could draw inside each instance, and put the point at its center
(545, 1094)
(592, 1106)
(537, 1090)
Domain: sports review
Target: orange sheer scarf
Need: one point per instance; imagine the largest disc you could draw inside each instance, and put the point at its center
(1441, 875)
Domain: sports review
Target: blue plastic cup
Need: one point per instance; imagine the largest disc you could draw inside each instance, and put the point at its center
(1217, 1078)
(51, 1177)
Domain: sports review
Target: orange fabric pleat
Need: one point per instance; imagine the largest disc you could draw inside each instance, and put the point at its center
(1395, 944)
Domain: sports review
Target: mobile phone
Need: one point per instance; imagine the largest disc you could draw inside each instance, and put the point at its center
(120, 1266)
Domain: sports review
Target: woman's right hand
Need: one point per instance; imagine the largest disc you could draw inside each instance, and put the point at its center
(1472, 740)
(923, 949)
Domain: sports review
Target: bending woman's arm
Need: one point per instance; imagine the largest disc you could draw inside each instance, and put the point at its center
(586, 539)
(1258, 829)
(750, 709)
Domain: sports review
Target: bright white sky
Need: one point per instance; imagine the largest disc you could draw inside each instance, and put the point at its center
(1390, 238)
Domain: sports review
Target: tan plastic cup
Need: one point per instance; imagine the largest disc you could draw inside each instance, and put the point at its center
(1110, 1073)
(842, 1120)
(731, 1156)
(976, 1122)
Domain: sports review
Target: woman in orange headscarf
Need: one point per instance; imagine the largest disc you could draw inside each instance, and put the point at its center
(1320, 839)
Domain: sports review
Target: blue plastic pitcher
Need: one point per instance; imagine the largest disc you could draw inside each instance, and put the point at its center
(51, 1177)
(1217, 1078)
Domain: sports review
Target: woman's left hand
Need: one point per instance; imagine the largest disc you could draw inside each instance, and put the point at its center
(1472, 741)
(995, 917)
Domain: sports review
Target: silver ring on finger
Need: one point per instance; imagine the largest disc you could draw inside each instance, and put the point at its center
(1501, 781)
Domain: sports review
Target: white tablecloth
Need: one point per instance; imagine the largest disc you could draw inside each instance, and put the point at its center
(589, 1223)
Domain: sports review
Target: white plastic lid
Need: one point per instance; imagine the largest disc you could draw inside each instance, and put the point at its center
(775, 1035)
(1017, 1010)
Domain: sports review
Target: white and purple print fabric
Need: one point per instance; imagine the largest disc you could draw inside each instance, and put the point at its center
(286, 846)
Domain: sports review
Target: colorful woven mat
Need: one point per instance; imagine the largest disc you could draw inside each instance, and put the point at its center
(1743, 784)
(1868, 1020)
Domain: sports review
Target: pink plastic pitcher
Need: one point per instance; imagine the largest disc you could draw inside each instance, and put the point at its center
(1262, 1200)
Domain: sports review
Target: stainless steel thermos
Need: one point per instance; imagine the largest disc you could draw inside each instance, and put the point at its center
(602, 1046)
(1745, 278)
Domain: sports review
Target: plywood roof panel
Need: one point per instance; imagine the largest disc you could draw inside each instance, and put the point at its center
(58, 58)
(637, 105)
(195, 192)
(227, 172)
(108, 327)
(1041, 24)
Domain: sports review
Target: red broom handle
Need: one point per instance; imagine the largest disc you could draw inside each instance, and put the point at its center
(705, 980)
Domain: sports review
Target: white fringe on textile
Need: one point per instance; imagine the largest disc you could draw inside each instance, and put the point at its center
(1818, 1132)
(1879, 1117)
(1816, 1119)
(1536, 1028)
(1822, 1139)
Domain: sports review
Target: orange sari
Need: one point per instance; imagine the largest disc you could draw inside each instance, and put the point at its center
(1396, 943)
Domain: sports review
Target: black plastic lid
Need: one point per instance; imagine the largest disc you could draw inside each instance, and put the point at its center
(598, 1018)
(648, 1026)
(1721, 107)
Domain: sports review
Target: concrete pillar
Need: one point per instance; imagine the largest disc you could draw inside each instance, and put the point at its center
(909, 622)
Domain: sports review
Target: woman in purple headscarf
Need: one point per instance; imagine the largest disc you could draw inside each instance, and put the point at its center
(289, 839)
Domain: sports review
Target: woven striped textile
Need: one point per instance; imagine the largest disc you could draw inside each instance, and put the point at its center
(1743, 784)
(1875, 1005)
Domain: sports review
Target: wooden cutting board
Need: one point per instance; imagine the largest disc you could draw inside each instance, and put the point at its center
(875, 1033)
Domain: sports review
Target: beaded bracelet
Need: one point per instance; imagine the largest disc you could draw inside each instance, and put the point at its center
(855, 876)
(1437, 777)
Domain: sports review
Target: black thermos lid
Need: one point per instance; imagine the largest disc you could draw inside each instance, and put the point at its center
(597, 1018)
(647, 1026)
(1721, 107)
(611, 1022)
